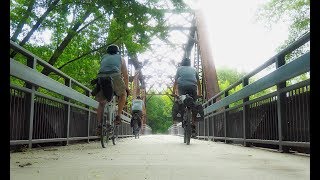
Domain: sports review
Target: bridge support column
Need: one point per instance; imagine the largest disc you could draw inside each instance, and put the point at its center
(208, 67)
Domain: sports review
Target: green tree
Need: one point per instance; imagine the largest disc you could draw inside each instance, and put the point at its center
(82, 29)
(228, 76)
(159, 113)
(297, 14)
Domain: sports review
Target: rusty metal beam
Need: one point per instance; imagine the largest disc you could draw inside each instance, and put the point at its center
(209, 70)
(191, 40)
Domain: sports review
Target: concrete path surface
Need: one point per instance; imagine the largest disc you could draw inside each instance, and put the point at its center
(157, 157)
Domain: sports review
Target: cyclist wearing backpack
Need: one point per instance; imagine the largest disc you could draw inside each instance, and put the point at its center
(187, 82)
(112, 77)
(137, 107)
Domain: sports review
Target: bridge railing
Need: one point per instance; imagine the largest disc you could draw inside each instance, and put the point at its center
(176, 129)
(146, 130)
(280, 118)
(64, 113)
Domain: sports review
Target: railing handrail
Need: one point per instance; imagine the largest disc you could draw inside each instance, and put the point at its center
(30, 75)
(285, 72)
(294, 45)
(28, 54)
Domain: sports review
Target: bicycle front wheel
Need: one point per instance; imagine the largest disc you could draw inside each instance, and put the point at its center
(104, 136)
(115, 134)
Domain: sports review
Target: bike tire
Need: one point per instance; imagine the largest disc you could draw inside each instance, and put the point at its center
(104, 138)
(188, 127)
(115, 135)
(136, 129)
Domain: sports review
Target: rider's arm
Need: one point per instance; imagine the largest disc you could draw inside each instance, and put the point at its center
(199, 86)
(124, 72)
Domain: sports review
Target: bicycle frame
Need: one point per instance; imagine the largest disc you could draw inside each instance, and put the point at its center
(109, 131)
(111, 110)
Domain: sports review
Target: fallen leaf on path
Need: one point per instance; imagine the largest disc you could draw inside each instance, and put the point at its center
(26, 164)
(50, 149)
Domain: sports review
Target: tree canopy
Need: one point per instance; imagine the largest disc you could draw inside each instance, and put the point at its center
(297, 14)
(80, 30)
(294, 12)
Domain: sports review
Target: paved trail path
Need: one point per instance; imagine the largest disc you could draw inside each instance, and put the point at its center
(157, 157)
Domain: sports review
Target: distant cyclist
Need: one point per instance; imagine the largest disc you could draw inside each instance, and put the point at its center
(137, 107)
(187, 80)
(114, 66)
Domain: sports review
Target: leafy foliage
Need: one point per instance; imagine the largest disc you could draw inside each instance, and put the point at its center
(297, 14)
(159, 113)
(124, 22)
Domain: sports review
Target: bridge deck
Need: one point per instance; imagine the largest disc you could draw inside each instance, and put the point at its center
(157, 157)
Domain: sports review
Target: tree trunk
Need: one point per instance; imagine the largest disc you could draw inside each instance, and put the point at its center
(72, 33)
(23, 21)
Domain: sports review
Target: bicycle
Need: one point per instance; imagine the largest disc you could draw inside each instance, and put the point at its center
(108, 128)
(136, 118)
(188, 103)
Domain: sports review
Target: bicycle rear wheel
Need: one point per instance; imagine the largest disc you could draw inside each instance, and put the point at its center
(188, 126)
(136, 129)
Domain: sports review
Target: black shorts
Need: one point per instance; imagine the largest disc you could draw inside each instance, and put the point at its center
(138, 111)
(191, 90)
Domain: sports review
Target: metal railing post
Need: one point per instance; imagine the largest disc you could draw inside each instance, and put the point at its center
(245, 82)
(67, 110)
(31, 62)
(121, 129)
(89, 117)
(212, 117)
(88, 94)
(280, 61)
(214, 100)
(225, 118)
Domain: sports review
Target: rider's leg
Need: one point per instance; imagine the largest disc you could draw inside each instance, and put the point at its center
(121, 103)
(102, 102)
(100, 111)
(120, 89)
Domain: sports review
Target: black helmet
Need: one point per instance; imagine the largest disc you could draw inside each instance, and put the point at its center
(186, 62)
(112, 49)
